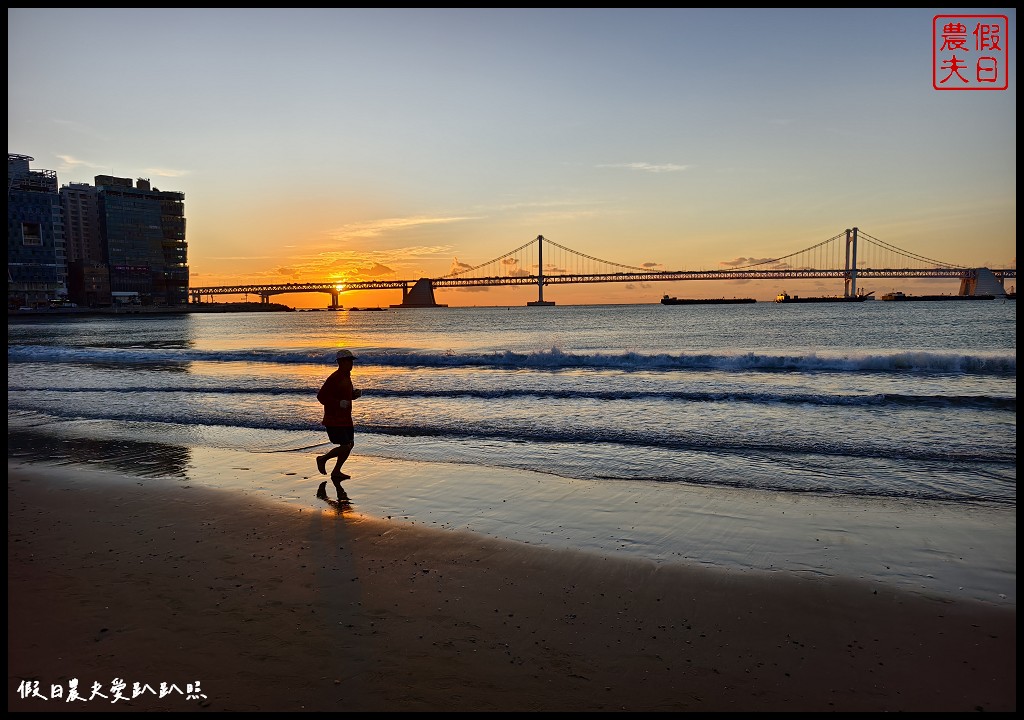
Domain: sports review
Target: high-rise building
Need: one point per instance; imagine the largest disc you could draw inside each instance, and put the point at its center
(93, 245)
(80, 205)
(88, 274)
(36, 264)
(143, 234)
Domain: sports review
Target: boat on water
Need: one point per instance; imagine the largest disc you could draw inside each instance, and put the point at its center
(899, 296)
(784, 297)
(666, 300)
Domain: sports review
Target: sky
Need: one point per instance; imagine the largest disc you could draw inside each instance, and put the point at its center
(323, 145)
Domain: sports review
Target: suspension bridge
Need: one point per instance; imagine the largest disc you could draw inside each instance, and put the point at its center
(850, 256)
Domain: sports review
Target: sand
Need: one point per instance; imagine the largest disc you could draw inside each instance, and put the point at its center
(239, 603)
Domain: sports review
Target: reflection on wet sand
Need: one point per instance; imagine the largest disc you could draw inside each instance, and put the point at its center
(137, 458)
(342, 504)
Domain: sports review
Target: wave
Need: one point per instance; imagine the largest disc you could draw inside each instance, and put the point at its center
(570, 436)
(962, 402)
(123, 451)
(1000, 363)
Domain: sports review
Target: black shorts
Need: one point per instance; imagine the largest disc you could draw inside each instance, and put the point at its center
(342, 435)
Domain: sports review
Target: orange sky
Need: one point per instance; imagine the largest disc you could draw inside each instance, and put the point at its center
(318, 145)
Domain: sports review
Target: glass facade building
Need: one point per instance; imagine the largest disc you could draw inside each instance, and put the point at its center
(36, 263)
(143, 231)
(93, 245)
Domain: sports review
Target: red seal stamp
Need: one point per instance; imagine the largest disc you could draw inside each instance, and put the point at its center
(970, 52)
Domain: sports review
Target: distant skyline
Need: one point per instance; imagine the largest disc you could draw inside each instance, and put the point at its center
(356, 144)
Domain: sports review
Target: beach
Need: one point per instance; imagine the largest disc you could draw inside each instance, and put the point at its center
(250, 602)
(603, 508)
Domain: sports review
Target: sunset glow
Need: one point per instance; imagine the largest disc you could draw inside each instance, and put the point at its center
(396, 144)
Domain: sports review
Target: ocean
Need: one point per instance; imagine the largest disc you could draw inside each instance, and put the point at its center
(874, 402)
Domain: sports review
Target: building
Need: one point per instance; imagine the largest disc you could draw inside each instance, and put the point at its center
(143, 236)
(36, 262)
(80, 206)
(91, 245)
(88, 274)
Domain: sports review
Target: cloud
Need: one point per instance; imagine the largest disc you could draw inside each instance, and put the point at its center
(350, 265)
(375, 228)
(164, 172)
(241, 257)
(458, 266)
(744, 262)
(547, 210)
(71, 163)
(649, 167)
(512, 269)
(376, 270)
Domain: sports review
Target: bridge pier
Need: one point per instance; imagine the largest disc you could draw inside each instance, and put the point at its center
(421, 295)
(982, 282)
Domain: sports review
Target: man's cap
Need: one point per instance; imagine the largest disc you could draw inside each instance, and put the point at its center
(344, 354)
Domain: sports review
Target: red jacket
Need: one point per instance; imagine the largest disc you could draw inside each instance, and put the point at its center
(336, 395)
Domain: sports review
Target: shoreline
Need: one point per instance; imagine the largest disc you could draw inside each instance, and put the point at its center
(132, 310)
(275, 606)
(961, 551)
(242, 307)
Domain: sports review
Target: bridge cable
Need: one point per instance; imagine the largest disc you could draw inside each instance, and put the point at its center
(590, 257)
(497, 259)
(908, 254)
(786, 257)
(550, 242)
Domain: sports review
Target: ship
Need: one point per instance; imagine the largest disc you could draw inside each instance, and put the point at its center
(666, 300)
(787, 298)
(899, 296)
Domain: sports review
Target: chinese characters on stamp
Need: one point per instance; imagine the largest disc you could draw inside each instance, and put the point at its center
(970, 52)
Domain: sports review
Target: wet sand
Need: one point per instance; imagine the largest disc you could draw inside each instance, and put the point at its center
(270, 605)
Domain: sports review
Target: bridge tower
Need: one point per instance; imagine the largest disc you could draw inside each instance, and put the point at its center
(850, 282)
(540, 301)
